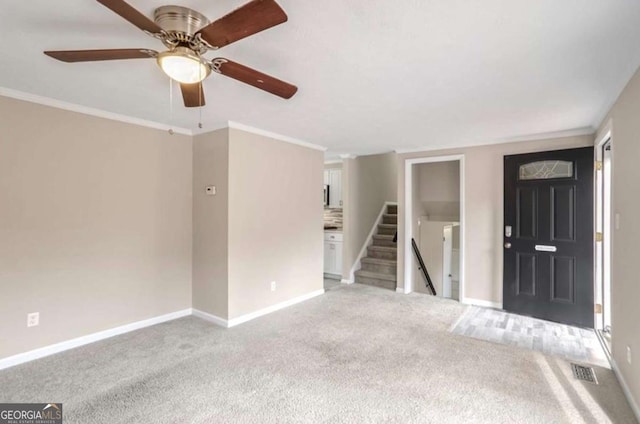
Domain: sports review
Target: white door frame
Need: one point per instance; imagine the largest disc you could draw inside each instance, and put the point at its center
(408, 218)
(447, 254)
(605, 136)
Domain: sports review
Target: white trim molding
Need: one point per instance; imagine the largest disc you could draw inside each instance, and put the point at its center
(479, 302)
(346, 281)
(626, 390)
(285, 138)
(90, 338)
(408, 218)
(529, 137)
(369, 239)
(211, 318)
(269, 309)
(99, 113)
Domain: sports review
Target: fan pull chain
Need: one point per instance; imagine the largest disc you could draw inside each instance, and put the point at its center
(170, 106)
(200, 100)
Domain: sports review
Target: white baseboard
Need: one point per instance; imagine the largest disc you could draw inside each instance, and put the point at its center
(101, 335)
(90, 338)
(345, 281)
(211, 318)
(625, 388)
(253, 315)
(483, 303)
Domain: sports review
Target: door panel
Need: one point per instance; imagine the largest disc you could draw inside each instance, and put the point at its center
(548, 260)
(526, 274)
(527, 206)
(563, 213)
(563, 279)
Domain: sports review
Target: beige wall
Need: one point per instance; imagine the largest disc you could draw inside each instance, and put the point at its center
(95, 224)
(625, 124)
(275, 221)
(484, 210)
(368, 182)
(438, 190)
(210, 219)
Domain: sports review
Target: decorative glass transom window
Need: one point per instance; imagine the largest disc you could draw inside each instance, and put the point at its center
(546, 170)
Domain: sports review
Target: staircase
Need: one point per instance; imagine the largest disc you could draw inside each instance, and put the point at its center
(378, 268)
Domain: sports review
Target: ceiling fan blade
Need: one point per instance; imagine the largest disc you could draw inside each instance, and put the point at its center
(192, 94)
(125, 10)
(247, 20)
(96, 55)
(255, 78)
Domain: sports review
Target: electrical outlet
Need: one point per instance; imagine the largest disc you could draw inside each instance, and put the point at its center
(273, 286)
(33, 319)
(629, 354)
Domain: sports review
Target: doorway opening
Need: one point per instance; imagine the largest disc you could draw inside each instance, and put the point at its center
(434, 219)
(604, 231)
(332, 220)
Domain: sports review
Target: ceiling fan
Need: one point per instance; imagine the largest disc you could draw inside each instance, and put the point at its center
(188, 35)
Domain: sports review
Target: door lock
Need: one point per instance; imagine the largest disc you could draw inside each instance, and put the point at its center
(507, 245)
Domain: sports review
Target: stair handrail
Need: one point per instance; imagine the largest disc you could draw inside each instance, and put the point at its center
(423, 267)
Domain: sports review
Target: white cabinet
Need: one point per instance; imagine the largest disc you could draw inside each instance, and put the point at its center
(333, 253)
(333, 178)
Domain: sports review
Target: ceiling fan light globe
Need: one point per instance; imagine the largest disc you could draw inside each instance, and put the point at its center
(183, 65)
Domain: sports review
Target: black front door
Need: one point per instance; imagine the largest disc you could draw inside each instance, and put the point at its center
(548, 235)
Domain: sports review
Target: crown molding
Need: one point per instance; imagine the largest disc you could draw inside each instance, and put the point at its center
(530, 137)
(332, 161)
(85, 110)
(285, 138)
(348, 156)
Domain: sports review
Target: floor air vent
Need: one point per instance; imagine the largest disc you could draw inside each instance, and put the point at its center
(584, 373)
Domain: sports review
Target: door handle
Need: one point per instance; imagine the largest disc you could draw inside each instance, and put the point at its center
(507, 245)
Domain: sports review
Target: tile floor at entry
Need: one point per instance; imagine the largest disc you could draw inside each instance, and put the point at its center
(572, 343)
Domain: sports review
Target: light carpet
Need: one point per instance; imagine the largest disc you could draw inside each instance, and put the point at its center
(358, 354)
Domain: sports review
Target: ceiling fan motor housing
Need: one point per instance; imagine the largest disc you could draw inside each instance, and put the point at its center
(180, 20)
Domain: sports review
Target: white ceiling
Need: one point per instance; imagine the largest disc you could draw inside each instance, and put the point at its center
(373, 75)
